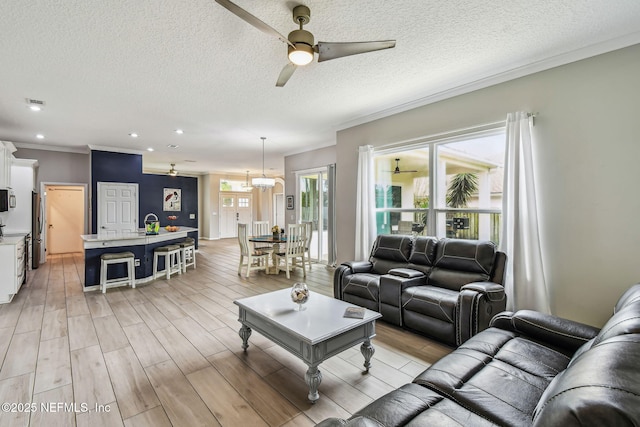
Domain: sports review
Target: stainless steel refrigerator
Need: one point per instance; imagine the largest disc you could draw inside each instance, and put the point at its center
(36, 229)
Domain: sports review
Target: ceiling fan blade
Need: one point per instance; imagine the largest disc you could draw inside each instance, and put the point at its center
(328, 50)
(246, 16)
(286, 74)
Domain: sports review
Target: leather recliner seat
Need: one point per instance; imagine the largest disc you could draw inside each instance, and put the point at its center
(447, 289)
(527, 368)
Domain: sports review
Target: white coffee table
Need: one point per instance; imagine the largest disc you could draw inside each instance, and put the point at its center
(313, 335)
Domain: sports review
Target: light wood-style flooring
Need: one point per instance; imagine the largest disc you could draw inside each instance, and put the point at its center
(168, 353)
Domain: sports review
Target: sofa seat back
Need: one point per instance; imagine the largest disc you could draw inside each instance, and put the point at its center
(423, 254)
(460, 261)
(601, 385)
(390, 251)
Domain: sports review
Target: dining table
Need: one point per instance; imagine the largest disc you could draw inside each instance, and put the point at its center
(272, 239)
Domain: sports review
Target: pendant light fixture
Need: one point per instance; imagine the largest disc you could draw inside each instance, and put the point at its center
(246, 186)
(263, 182)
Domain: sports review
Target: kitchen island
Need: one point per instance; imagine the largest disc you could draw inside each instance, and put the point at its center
(141, 244)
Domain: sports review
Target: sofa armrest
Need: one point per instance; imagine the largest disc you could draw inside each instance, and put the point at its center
(492, 291)
(477, 303)
(347, 269)
(359, 266)
(547, 328)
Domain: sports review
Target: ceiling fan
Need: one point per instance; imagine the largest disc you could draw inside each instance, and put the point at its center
(300, 45)
(397, 169)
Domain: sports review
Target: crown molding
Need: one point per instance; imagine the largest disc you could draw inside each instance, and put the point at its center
(505, 76)
(80, 150)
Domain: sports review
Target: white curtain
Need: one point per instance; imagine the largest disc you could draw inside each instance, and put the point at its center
(524, 279)
(365, 203)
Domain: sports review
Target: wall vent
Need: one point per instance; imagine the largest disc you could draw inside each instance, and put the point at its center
(34, 101)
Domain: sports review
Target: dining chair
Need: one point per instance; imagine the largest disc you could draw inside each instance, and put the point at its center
(294, 249)
(250, 254)
(262, 228)
(307, 243)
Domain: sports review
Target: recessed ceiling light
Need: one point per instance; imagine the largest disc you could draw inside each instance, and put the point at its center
(149, 149)
(133, 135)
(40, 136)
(179, 131)
(172, 146)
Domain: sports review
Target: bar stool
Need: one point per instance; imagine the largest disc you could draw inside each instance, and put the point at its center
(117, 258)
(188, 253)
(172, 264)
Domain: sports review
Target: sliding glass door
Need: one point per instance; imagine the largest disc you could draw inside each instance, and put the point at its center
(313, 194)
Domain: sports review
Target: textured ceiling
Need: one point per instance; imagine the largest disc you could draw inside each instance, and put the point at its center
(109, 68)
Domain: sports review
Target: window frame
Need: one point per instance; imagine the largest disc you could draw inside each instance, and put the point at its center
(433, 143)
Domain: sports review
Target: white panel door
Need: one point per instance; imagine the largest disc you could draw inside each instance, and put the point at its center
(117, 207)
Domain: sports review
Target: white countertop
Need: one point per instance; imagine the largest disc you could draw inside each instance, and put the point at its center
(12, 238)
(101, 241)
(133, 235)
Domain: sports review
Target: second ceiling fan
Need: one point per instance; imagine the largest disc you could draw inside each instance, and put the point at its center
(300, 43)
(397, 169)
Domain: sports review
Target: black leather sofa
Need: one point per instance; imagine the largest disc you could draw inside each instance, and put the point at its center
(448, 289)
(527, 369)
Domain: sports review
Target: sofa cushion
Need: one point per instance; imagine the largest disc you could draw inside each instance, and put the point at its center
(363, 285)
(431, 301)
(413, 405)
(390, 251)
(460, 261)
(496, 374)
(600, 388)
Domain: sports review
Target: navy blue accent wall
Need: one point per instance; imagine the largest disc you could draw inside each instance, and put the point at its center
(121, 167)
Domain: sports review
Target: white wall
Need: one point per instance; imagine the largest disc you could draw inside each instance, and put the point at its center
(587, 148)
(58, 166)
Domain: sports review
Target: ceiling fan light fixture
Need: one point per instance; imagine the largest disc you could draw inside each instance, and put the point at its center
(301, 55)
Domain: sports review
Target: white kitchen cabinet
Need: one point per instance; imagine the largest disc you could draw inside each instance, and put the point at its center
(6, 157)
(12, 267)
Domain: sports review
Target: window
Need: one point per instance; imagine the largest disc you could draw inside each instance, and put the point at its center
(231, 185)
(444, 188)
(243, 202)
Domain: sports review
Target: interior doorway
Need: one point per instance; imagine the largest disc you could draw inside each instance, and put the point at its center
(64, 208)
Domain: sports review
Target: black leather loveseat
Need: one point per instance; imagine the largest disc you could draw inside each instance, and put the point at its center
(527, 369)
(448, 289)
